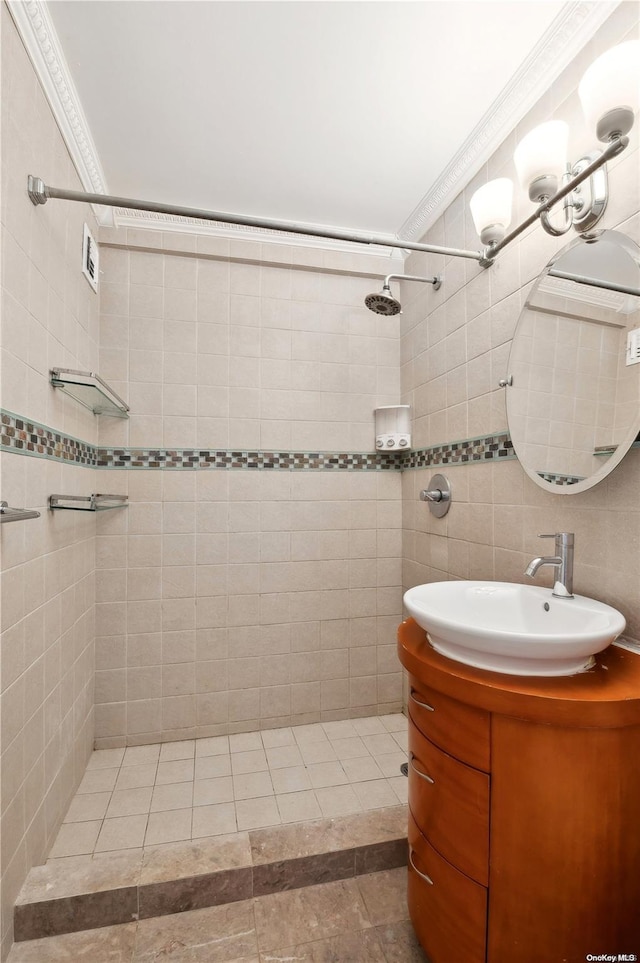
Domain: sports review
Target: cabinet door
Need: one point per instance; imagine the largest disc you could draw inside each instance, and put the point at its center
(461, 730)
(447, 909)
(450, 803)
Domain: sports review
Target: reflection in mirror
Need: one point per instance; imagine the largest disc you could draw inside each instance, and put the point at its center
(574, 405)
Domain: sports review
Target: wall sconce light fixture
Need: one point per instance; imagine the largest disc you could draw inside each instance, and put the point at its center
(610, 96)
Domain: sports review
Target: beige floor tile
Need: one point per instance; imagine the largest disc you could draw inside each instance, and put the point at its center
(209, 791)
(327, 774)
(375, 794)
(210, 767)
(339, 730)
(168, 827)
(369, 726)
(245, 742)
(305, 735)
(171, 751)
(402, 738)
(249, 785)
(214, 820)
(317, 752)
(294, 807)
(75, 839)
(135, 777)
(254, 760)
(98, 780)
(361, 769)
(395, 722)
(70, 861)
(88, 806)
(400, 786)
(105, 759)
(338, 801)
(257, 813)
(174, 796)
(384, 742)
(213, 746)
(290, 780)
(122, 832)
(130, 802)
(180, 770)
(284, 757)
(389, 762)
(141, 755)
(350, 748)
(273, 738)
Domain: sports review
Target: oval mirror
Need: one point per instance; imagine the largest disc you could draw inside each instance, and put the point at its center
(573, 407)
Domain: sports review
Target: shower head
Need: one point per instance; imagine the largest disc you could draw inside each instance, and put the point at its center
(383, 303)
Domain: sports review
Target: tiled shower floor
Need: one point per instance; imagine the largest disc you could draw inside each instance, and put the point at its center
(148, 795)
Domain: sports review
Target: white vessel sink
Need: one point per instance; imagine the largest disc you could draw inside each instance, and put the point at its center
(512, 628)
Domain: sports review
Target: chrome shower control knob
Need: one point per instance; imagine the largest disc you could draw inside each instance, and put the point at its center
(390, 442)
(379, 443)
(403, 443)
(437, 495)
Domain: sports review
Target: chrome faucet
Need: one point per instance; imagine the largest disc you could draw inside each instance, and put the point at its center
(562, 561)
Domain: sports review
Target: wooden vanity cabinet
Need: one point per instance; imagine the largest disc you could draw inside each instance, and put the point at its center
(524, 837)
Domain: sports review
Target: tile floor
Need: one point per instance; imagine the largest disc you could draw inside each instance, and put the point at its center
(360, 920)
(148, 795)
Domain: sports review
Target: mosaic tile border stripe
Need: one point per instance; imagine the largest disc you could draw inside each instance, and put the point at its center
(27, 437)
(485, 448)
(198, 458)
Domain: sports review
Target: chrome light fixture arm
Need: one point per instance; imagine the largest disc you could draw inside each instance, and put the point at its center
(615, 147)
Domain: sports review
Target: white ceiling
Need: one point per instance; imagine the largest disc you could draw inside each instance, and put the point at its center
(337, 113)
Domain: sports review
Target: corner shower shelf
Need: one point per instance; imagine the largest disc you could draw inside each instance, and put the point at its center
(90, 390)
(8, 514)
(87, 503)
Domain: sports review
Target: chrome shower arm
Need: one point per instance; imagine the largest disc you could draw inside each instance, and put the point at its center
(436, 280)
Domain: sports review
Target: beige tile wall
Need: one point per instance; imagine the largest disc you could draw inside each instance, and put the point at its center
(49, 316)
(455, 346)
(233, 600)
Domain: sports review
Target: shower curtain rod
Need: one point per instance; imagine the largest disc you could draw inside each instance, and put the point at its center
(39, 192)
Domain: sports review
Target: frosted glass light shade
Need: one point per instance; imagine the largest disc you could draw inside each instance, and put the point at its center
(610, 90)
(491, 209)
(541, 158)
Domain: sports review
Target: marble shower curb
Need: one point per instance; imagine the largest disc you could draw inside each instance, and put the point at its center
(65, 897)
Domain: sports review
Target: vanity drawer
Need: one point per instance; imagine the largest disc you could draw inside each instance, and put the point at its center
(461, 730)
(448, 910)
(450, 803)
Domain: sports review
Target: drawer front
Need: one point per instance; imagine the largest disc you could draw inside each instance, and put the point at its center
(448, 910)
(461, 730)
(450, 803)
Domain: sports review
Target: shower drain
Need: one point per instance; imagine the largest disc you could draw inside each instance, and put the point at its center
(404, 768)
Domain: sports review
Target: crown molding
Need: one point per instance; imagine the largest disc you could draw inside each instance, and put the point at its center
(152, 221)
(555, 50)
(39, 36)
